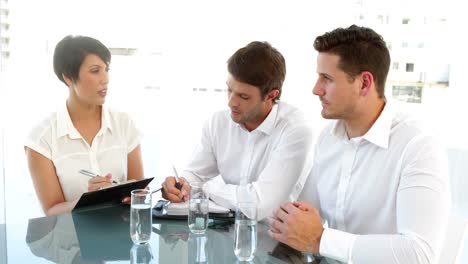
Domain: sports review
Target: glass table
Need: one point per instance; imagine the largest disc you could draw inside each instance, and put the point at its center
(102, 236)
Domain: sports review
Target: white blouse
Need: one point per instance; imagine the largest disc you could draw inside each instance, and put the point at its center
(58, 140)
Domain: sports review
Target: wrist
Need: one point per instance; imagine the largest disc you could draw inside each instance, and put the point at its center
(317, 240)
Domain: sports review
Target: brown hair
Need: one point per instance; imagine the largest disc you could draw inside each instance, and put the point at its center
(260, 65)
(360, 49)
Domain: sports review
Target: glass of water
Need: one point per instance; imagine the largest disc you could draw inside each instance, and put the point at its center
(198, 209)
(197, 251)
(141, 254)
(140, 216)
(245, 231)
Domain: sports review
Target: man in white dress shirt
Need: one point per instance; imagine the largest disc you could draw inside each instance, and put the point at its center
(260, 142)
(379, 179)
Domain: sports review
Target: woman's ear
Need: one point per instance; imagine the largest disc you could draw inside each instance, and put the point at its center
(367, 83)
(67, 80)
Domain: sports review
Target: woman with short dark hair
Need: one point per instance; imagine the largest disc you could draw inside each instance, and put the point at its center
(83, 134)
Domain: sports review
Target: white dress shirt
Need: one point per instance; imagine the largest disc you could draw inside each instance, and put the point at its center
(58, 140)
(273, 160)
(384, 195)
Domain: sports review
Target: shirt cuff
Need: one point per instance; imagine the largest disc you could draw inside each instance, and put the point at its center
(212, 185)
(337, 244)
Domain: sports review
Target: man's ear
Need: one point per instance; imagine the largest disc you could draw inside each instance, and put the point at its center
(272, 95)
(67, 80)
(367, 83)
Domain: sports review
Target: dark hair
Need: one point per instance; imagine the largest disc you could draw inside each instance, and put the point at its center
(260, 65)
(360, 49)
(72, 50)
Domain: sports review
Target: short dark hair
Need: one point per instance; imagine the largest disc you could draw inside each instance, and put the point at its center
(72, 50)
(360, 49)
(260, 65)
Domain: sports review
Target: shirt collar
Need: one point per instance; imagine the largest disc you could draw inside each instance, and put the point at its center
(378, 134)
(268, 124)
(65, 125)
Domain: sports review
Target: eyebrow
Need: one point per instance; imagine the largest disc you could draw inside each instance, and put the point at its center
(326, 75)
(239, 94)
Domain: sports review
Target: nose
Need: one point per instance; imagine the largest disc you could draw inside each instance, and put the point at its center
(105, 78)
(232, 101)
(318, 89)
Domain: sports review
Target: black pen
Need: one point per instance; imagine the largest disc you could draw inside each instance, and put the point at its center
(177, 184)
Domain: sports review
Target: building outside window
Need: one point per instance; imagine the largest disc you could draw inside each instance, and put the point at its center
(407, 93)
(409, 67)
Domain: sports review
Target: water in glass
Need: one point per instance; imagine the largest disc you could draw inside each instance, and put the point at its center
(140, 216)
(140, 223)
(141, 254)
(198, 215)
(245, 239)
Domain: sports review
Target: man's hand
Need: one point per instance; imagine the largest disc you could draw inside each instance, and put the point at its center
(298, 226)
(99, 182)
(170, 191)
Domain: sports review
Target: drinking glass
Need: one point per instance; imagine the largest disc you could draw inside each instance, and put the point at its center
(140, 216)
(141, 254)
(198, 209)
(245, 231)
(197, 252)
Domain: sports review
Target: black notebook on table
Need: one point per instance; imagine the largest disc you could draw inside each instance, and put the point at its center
(160, 212)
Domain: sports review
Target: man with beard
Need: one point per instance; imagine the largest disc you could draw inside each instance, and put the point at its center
(260, 143)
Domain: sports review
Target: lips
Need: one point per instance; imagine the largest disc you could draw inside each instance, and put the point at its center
(323, 101)
(102, 92)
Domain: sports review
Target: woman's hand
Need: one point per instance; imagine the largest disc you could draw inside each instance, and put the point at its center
(99, 182)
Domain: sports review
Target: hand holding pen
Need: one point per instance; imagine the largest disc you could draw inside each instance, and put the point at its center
(97, 182)
(175, 189)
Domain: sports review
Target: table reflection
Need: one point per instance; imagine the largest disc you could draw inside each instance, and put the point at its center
(85, 237)
(141, 254)
(54, 238)
(103, 236)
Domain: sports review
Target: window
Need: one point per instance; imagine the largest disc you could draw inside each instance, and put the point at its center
(407, 93)
(404, 44)
(405, 21)
(4, 26)
(409, 67)
(380, 19)
(4, 41)
(395, 66)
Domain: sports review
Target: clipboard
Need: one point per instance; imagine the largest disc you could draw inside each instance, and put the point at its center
(110, 196)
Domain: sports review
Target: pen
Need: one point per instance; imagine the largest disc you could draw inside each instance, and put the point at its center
(155, 191)
(91, 174)
(177, 184)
